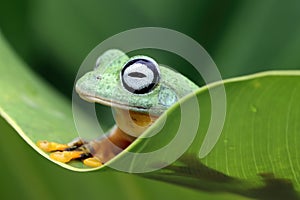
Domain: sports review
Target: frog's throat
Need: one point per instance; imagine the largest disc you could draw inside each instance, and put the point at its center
(133, 123)
(115, 104)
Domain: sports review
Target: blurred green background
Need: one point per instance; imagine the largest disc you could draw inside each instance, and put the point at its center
(54, 36)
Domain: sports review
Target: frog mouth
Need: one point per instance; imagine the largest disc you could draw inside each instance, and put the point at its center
(111, 103)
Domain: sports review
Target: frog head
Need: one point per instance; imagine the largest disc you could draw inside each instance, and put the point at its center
(137, 83)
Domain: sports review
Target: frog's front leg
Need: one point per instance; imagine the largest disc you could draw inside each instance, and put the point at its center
(93, 153)
(66, 152)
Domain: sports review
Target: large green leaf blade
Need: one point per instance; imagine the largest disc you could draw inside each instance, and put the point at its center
(259, 145)
(261, 132)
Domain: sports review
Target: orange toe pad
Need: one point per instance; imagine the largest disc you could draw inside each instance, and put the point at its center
(51, 146)
(92, 162)
(65, 156)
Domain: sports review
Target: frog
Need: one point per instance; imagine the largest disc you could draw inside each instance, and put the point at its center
(139, 91)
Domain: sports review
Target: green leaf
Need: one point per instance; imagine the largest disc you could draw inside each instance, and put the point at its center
(33, 108)
(256, 154)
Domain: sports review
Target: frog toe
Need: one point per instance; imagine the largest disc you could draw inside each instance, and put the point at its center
(51, 146)
(92, 162)
(66, 156)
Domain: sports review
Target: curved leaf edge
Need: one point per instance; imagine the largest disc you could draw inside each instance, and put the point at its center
(204, 89)
(148, 131)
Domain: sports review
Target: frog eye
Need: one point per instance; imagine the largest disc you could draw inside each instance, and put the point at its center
(140, 75)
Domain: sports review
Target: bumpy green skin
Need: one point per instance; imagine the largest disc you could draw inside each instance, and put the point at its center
(103, 85)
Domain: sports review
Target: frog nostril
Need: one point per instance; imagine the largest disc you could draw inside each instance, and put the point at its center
(98, 77)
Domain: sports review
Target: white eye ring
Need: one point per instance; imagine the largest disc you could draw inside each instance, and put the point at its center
(140, 75)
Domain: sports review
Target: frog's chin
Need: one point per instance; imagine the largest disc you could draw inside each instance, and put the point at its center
(113, 104)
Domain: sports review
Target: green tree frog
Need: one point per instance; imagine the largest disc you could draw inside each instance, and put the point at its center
(138, 90)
